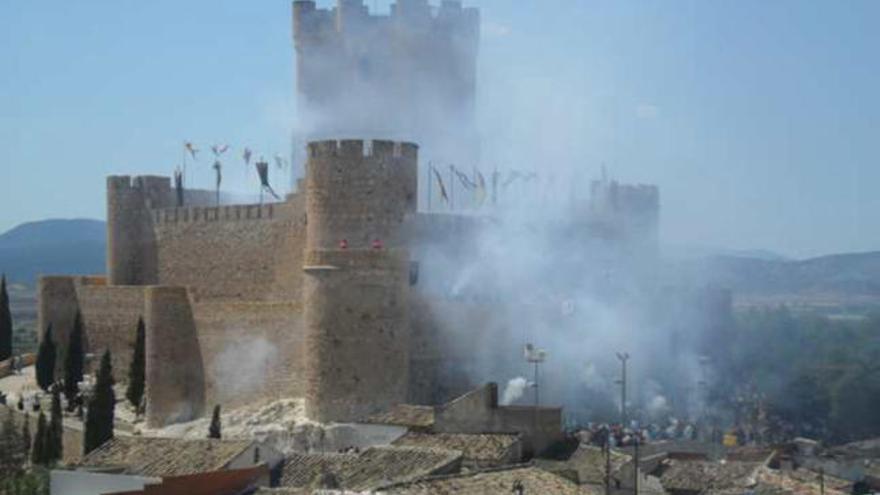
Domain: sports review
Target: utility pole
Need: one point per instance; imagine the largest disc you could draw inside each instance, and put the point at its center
(623, 357)
(636, 462)
(535, 356)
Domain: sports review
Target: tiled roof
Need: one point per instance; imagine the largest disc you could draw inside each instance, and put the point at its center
(417, 417)
(798, 482)
(498, 481)
(586, 465)
(700, 476)
(479, 450)
(301, 470)
(230, 482)
(160, 457)
(368, 470)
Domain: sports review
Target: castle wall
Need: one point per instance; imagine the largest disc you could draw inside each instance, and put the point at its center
(251, 351)
(175, 376)
(357, 344)
(220, 252)
(359, 191)
(109, 315)
(356, 295)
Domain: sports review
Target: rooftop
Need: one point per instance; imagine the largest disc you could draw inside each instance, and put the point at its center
(417, 417)
(498, 481)
(586, 464)
(161, 457)
(368, 470)
(479, 450)
(703, 476)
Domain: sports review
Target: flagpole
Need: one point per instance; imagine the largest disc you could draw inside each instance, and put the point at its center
(451, 188)
(184, 165)
(430, 183)
(477, 185)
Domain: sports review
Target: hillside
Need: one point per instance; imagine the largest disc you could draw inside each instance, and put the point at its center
(840, 274)
(52, 247)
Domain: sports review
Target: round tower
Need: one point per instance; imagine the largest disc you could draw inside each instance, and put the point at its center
(359, 198)
(131, 247)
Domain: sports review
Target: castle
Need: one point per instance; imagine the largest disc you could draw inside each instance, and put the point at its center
(321, 295)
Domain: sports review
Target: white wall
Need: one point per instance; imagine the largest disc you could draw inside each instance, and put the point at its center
(86, 483)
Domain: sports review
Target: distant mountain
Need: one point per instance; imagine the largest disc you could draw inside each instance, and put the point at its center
(53, 247)
(840, 274)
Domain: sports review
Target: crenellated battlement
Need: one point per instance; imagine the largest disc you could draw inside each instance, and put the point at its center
(226, 213)
(357, 148)
(352, 16)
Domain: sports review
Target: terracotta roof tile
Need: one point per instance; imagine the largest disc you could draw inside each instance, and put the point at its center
(418, 417)
(160, 457)
(479, 450)
(368, 470)
(498, 481)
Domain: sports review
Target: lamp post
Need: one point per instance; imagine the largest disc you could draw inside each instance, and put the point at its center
(535, 356)
(623, 357)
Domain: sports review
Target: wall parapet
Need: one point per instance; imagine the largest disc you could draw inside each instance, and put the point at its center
(223, 213)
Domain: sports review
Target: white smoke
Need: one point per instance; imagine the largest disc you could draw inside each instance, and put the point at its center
(243, 367)
(514, 390)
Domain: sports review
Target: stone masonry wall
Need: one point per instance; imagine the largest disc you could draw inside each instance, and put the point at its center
(220, 252)
(251, 351)
(109, 313)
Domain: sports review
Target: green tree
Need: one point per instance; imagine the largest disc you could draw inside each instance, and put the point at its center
(11, 447)
(214, 429)
(26, 437)
(137, 371)
(54, 442)
(46, 355)
(38, 453)
(5, 322)
(34, 482)
(73, 361)
(99, 417)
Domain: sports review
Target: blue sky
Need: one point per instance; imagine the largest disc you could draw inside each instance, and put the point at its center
(759, 120)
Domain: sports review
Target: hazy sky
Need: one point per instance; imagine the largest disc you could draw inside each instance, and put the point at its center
(759, 120)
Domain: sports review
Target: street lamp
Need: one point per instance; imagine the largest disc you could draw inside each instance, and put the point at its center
(623, 357)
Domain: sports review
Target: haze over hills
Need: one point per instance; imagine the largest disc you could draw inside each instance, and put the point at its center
(77, 246)
(50, 247)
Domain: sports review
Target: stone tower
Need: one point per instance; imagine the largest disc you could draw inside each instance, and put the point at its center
(131, 244)
(359, 199)
(410, 75)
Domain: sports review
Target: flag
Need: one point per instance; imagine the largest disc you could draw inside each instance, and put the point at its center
(512, 176)
(219, 149)
(191, 149)
(246, 154)
(218, 168)
(480, 191)
(465, 180)
(280, 162)
(178, 186)
(440, 183)
(263, 172)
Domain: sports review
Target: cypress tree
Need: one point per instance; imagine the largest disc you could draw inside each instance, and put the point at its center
(136, 373)
(73, 361)
(26, 437)
(46, 354)
(214, 429)
(5, 322)
(55, 447)
(99, 416)
(11, 459)
(38, 453)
